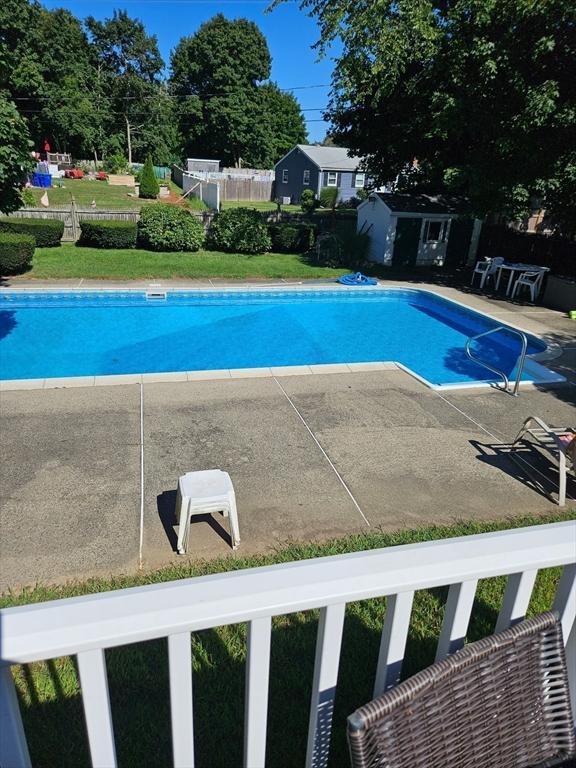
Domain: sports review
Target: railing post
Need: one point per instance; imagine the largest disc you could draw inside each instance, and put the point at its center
(257, 683)
(181, 715)
(326, 664)
(516, 599)
(13, 746)
(456, 618)
(393, 641)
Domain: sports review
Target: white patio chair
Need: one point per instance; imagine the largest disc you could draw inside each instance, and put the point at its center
(560, 442)
(486, 269)
(532, 280)
(201, 493)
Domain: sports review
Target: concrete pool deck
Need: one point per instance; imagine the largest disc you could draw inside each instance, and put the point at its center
(311, 457)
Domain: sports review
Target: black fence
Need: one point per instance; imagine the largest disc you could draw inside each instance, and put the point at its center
(557, 253)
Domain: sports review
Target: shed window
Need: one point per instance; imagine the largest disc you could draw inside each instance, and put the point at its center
(360, 180)
(306, 177)
(332, 180)
(285, 176)
(435, 231)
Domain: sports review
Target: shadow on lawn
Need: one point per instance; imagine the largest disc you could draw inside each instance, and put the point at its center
(139, 689)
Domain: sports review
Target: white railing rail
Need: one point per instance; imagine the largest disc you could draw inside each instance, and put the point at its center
(85, 626)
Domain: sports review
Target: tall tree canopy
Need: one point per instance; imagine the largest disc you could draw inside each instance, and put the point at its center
(224, 110)
(129, 73)
(482, 92)
(15, 154)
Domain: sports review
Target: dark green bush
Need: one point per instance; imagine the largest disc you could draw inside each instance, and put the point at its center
(169, 228)
(149, 187)
(239, 230)
(308, 201)
(292, 238)
(16, 252)
(108, 234)
(46, 232)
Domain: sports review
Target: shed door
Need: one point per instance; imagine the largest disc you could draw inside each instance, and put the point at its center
(459, 243)
(406, 242)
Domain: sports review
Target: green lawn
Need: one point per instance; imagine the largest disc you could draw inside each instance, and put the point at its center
(264, 205)
(85, 191)
(138, 674)
(74, 261)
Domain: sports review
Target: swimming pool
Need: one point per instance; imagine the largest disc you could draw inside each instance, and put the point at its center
(44, 335)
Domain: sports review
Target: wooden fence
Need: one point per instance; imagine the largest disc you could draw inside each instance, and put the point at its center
(557, 253)
(73, 216)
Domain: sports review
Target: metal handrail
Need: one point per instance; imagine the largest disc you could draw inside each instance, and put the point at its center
(521, 357)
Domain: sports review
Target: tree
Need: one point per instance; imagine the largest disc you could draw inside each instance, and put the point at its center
(15, 155)
(149, 186)
(130, 66)
(224, 109)
(283, 124)
(480, 92)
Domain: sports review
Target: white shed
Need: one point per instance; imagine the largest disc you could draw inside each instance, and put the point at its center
(418, 230)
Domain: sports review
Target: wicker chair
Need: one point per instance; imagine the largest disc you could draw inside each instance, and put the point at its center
(501, 702)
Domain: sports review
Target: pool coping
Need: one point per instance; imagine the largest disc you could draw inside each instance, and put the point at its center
(551, 352)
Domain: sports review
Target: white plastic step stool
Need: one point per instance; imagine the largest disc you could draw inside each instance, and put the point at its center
(201, 493)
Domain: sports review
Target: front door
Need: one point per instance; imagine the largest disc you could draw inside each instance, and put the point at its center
(458, 243)
(406, 242)
(435, 234)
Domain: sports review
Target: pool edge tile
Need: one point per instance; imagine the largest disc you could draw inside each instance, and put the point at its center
(359, 367)
(330, 368)
(168, 376)
(118, 379)
(63, 382)
(291, 370)
(223, 373)
(250, 373)
(13, 385)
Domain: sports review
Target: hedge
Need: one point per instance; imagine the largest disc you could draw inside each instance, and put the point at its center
(239, 230)
(165, 227)
(16, 252)
(292, 238)
(108, 234)
(46, 232)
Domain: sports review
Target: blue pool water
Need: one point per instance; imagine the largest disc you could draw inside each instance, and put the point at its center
(84, 334)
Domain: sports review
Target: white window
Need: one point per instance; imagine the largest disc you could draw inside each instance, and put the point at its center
(306, 178)
(435, 231)
(332, 179)
(285, 176)
(360, 180)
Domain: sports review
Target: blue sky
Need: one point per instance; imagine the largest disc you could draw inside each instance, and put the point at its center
(289, 31)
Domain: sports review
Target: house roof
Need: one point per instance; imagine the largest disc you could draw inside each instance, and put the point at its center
(331, 158)
(404, 203)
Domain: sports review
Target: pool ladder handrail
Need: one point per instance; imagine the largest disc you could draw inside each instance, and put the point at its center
(497, 371)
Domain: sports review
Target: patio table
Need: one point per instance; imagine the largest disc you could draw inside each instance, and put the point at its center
(513, 268)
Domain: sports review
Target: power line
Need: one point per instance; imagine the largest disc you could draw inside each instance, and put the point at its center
(169, 95)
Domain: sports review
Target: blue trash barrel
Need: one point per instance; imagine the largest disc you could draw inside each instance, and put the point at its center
(41, 180)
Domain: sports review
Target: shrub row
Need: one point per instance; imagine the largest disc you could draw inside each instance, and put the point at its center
(292, 238)
(168, 228)
(46, 232)
(16, 252)
(108, 234)
(161, 228)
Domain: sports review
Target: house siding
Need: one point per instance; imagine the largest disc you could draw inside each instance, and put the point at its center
(296, 162)
(346, 188)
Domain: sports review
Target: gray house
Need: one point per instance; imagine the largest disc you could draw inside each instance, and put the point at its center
(309, 167)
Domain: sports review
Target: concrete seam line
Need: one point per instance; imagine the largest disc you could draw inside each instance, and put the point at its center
(516, 459)
(313, 436)
(141, 544)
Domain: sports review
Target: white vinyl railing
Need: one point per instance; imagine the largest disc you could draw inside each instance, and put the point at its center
(86, 626)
